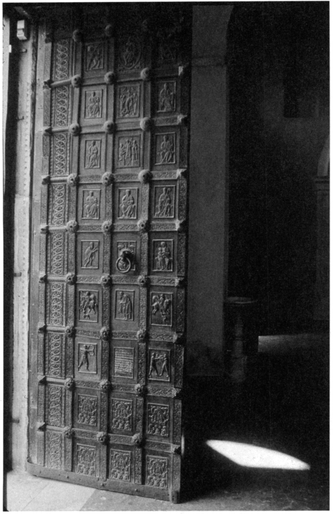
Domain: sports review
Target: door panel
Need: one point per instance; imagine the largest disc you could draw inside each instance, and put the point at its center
(112, 153)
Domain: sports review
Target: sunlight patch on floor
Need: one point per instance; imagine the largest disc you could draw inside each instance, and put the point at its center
(251, 456)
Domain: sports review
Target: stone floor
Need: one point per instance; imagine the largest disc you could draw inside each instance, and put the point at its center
(283, 406)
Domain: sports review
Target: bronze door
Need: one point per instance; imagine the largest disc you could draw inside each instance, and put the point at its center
(110, 192)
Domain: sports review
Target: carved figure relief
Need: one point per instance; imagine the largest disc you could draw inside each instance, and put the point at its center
(91, 204)
(157, 472)
(161, 308)
(165, 149)
(90, 254)
(129, 53)
(167, 97)
(162, 251)
(124, 305)
(93, 104)
(123, 263)
(158, 420)
(120, 465)
(88, 304)
(87, 410)
(122, 415)
(128, 101)
(159, 366)
(86, 358)
(127, 203)
(86, 460)
(92, 154)
(94, 56)
(164, 202)
(129, 152)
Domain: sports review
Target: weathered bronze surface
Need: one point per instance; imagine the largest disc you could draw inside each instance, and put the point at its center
(112, 147)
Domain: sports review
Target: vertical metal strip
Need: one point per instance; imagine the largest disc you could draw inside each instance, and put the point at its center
(103, 461)
(68, 450)
(181, 255)
(144, 254)
(70, 311)
(40, 354)
(69, 361)
(103, 411)
(105, 359)
(40, 448)
(69, 407)
(177, 422)
(41, 302)
(106, 292)
(143, 308)
(139, 416)
(138, 466)
(142, 363)
(176, 477)
(106, 252)
(179, 365)
(180, 310)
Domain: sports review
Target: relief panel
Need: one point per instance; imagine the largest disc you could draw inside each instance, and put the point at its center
(158, 419)
(56, 303)
(128, 100)
(61, 106)
(157, 471)
(127, 203)
(122, 264)
(120, 465)
(90, 254)
(128, 151)
(91, 203)
(121, 415)
(123, 362)
(57, 214)
(162, 255)
(87, 410)
(54, 355)
(61, 59)
(164, 201)
(56, 253)
(129, 53)
(54, 403)
(161, 305)
(92, 153)
(166, 96)
(159, 365)
(165, 148)
(59, 155)
(86, 460)
(87, 358)
(89, 305)
(94, 57)
(124, 305)
(93, 104)
(54, 449)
